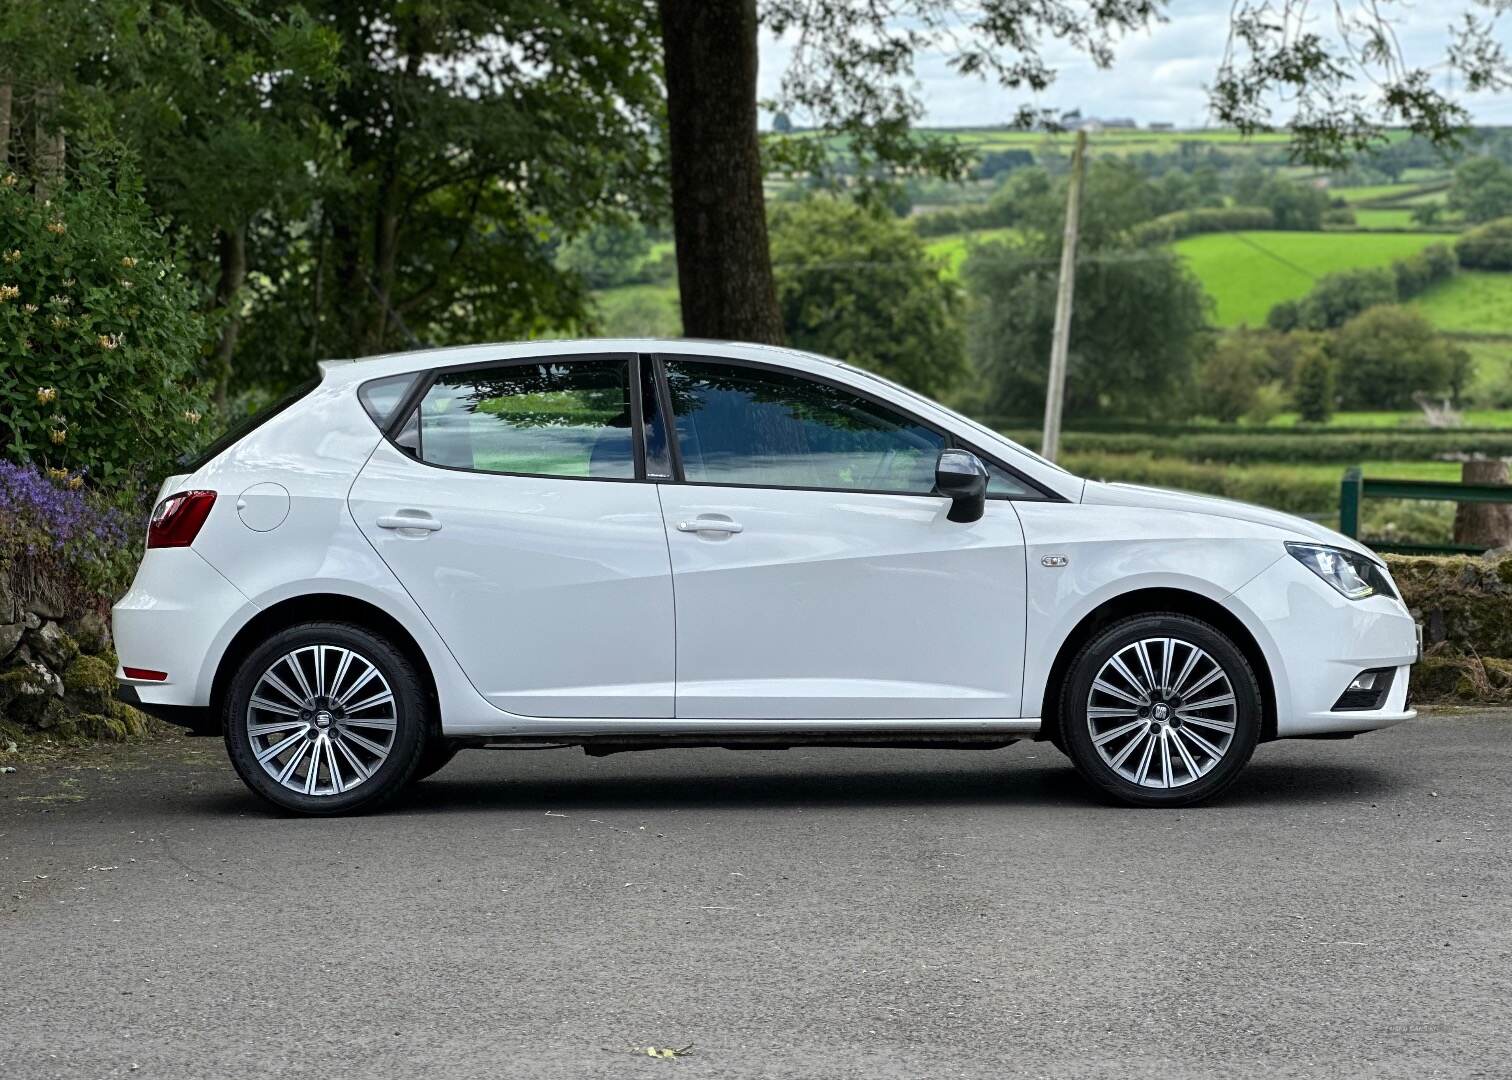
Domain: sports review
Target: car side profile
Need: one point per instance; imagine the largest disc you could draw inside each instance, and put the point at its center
(634, 544)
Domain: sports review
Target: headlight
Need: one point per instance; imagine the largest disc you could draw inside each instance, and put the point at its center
(1351, 574)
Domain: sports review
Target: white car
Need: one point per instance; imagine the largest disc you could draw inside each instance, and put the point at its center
(632, 544)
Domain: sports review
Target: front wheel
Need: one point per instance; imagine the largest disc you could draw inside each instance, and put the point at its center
(1160, 710)
(326, 718)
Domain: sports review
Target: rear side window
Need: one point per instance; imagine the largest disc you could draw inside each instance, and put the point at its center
(564, 418)
(241, 430)
(382, 396)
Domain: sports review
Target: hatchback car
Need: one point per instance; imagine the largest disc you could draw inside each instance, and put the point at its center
(626, 545)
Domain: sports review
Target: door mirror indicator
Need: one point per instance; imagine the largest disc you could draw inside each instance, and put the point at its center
(961, 477)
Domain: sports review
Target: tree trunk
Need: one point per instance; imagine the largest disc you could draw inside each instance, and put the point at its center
(1487, 525)
(233, 274)
(50, 145)
(724, 266)
(5, 119)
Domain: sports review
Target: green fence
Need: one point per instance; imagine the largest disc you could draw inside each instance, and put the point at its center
(1356, 488)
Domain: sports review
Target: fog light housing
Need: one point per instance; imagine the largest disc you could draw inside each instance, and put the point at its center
(1367, 690)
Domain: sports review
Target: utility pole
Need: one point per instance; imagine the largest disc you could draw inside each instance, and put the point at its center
(1055, 390)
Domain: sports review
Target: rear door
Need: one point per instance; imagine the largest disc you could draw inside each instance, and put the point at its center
(513, 507)
(816, 573)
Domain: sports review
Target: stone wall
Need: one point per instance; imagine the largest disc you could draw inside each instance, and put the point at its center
(57, 674)
(1464, 604)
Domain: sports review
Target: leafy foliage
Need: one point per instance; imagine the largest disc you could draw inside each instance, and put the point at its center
(59, 541)
(1482, 189)
(1314, 392)
(1488, 247)
(1136, 324)
(856, 284)
(1388, 355)
(99, 333)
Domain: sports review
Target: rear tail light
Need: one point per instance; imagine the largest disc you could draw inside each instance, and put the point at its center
(177, 519)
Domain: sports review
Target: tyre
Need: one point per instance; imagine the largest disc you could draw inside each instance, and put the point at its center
(435, 757)
(326, 718)
(1160, 710)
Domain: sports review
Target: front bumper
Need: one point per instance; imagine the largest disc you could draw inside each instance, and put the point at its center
(1317, 641)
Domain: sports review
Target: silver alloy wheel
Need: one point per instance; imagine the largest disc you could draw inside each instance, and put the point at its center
(1162, 712)
(322, 720)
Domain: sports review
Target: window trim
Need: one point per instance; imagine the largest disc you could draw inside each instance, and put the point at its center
(430, 377)
(952, 441)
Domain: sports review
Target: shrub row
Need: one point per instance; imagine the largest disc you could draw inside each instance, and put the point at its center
(1339, 297)
(1278, 487)
(1173, 226)
(1488, 247)
(1246, 447)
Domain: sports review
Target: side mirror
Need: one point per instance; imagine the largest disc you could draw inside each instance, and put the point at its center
(962, 478)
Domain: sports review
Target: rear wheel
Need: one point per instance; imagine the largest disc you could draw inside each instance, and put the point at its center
(326, 718)
(1160, 710)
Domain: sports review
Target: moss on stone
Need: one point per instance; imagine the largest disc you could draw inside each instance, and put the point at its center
(89, 683)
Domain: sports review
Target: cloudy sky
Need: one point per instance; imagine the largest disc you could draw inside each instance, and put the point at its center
(1158, 74)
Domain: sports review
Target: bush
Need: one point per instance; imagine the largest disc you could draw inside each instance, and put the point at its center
(1388, 355)
(98, 333)
(1338, 216)
(1488, 247)
(59, 543)
(1228, 382)
(1418, 273)
(1339, 297)
(1313, 396)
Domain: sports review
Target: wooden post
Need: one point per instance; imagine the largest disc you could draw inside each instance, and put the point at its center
(1487, 525)
(1349, 502)
(1055, 389)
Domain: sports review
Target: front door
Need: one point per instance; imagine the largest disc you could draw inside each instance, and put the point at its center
(816, 575)
(513, 512)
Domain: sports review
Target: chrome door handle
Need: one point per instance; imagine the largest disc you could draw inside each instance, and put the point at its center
(413, 519)
(713, 525)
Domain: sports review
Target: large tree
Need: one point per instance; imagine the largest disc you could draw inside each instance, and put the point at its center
(852, 76)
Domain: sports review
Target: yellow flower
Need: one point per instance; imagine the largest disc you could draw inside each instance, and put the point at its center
(125, 284)
(59, 436)
(109, 342)
(12, 256)
(128, 262)
(9, 292)
(46, 394)
(58, 474)
(192, 416)
(57, 228)
(75, 483)
(10, 180)
(58, 321)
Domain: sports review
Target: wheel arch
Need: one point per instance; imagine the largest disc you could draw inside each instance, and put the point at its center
(320, 607)
(1146, 602)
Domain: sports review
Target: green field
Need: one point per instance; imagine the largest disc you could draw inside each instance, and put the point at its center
(1248, 273)
(952, 250)
(1474, 301)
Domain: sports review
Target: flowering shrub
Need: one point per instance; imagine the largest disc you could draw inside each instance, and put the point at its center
(99, 337)
(59, 542)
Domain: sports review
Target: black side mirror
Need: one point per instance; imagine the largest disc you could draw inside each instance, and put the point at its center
(962, 478)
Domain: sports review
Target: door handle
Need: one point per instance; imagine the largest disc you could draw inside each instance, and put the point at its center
(713, 525)
(409, 519)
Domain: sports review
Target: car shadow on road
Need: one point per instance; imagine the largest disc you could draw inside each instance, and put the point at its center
(1003, 785)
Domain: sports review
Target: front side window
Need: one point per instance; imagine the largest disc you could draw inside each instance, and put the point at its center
(740, 425)
(563, 418)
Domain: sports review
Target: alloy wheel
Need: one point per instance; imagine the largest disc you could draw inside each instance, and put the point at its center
(1162, 712)
(322, 720)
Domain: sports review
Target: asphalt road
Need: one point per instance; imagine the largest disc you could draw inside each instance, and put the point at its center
(1343, 911)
